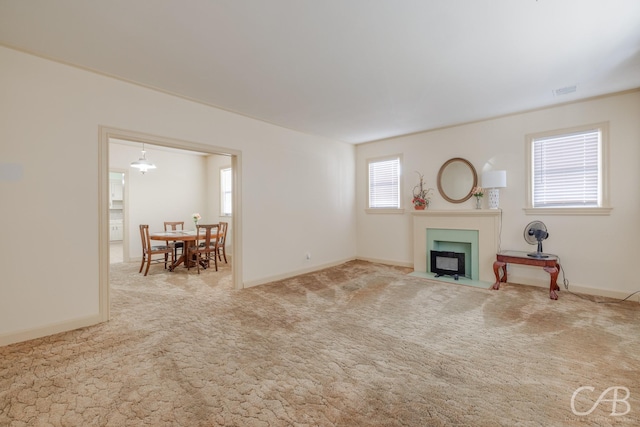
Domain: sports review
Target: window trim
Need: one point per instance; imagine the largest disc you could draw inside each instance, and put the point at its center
(222, 193)
(400, 208)
(604, 208)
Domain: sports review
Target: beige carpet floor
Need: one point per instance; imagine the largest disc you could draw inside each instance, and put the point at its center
(360, 344)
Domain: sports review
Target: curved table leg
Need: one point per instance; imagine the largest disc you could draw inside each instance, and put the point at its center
(553, 285)
(496, 270)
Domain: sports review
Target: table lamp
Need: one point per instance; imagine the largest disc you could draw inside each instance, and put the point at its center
(493, 181)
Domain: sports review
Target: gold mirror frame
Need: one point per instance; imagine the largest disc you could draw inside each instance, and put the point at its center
(449, 175)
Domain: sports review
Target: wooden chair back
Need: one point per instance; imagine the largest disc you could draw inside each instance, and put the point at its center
(222, 233)
(173, 225)
(148, 250)
(206, 236)
(206, 244)
(144, 238)
(222, 240)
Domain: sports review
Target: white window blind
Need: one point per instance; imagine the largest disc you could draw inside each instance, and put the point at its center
(566, 170)
(225, 192)
(384, 183)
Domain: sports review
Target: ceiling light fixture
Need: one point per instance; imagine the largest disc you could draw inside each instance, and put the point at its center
(142, 163)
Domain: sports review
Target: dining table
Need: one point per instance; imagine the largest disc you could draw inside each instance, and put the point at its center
(189, 238)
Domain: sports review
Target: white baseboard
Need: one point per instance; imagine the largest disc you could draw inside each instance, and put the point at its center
(30, 334)
(295, 273)
(576, 289)
(387, 262)
(322, 267)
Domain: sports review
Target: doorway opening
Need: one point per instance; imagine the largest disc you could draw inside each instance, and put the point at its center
(116, 215)
(127, 145)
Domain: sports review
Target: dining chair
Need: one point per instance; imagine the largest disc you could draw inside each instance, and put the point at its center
(148, 251)
(206, 244)
(173, 226)
(222, 239)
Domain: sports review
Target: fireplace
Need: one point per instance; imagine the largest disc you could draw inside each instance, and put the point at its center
(448, 230)
(453, 241)
(445, 263)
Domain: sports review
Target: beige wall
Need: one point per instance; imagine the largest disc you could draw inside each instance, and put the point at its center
(598, 253)
(295, 187)
(173, 191)
(300, 193)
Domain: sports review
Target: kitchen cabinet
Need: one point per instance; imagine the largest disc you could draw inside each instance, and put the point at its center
(115, 192)
(115, 230)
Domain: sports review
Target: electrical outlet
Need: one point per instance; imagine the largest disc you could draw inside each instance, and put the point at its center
(308, 256)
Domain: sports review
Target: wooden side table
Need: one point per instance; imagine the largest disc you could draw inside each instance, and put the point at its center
(549, 264)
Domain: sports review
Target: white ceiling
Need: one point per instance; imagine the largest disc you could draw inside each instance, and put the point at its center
(353, 70)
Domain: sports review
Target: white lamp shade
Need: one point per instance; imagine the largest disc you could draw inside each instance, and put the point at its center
(142, 163)
(494, 179)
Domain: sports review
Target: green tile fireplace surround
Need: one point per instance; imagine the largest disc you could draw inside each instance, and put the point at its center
(473, 232)
(464, 241)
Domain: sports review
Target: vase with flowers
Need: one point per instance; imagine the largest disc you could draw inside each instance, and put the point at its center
(478, 192)
(421, 194)
(196, 217)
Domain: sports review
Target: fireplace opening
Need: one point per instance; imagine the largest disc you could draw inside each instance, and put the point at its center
(446, 263)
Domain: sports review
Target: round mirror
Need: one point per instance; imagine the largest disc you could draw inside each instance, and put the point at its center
(456, 180)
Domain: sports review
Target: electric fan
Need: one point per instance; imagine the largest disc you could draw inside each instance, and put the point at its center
(536, 232)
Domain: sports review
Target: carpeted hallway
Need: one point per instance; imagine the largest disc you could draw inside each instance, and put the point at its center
(360, 344)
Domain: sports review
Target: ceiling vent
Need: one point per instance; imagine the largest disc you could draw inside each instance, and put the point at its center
(564, 90)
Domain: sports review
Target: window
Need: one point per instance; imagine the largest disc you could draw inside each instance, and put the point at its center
(384, 183)
(225, 192)
(566, 168)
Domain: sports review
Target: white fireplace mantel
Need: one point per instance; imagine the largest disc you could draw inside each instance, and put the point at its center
(486, 221)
